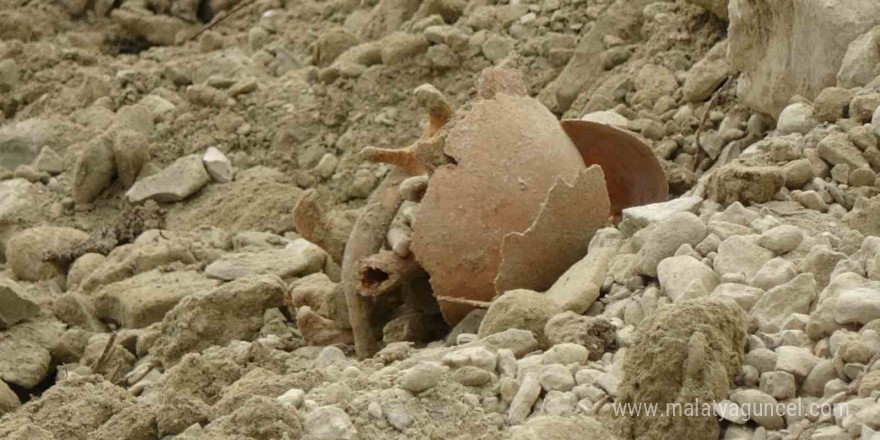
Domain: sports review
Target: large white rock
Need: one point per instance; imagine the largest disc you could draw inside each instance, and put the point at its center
(792, 47)
(859, 305)
(860, 61)
(779, 303)
(217, 165)
(640, 216)
(797, 118)
(578, 288)
(180, 180)
(422, 377)
(676, 274)
(667, 237)
(796, 360)
(708, 74)
(775, 272)
(740, 254)
(282, 262)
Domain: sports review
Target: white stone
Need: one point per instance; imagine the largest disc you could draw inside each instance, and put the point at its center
(862, 56)
(797, 118)
(16, 305)
(506, 363)
(566, 354)
(293, 397)
(49, 161)
(739, 254)
(745, 296)
(781, 239)
(707, 74)
(753, 401)
(329, 423)
(397, 416)
(666, 237)
(779, 384)
(859, 305)
(730, 411)
(832, 432)
(471, 356)
(738, 214)
(326, 166)
(556, 377)
(762, 359)
(677, 273)
(157, 105)
(558, 403)
(795, 360)
(217, 165)
(641, 216)
(775, 272)
(525, 398)
(608, 383)
(422, 377)
(779, 303)
(792, 47)
(329, 356)
(177, 182)
(607, 117)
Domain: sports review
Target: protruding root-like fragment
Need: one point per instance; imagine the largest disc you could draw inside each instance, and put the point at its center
(438, 107)
(386, 272)
(404, 158)
(410, 158)
(366, 239)
(313, 224)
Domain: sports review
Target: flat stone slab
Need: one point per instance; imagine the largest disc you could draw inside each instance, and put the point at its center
(180, 180)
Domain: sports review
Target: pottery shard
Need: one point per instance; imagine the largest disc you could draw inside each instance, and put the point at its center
(509, 151)
(559, 236)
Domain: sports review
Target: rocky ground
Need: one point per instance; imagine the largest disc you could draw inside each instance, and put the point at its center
(175, 204)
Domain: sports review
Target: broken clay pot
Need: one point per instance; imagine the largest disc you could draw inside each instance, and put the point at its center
(514, 197)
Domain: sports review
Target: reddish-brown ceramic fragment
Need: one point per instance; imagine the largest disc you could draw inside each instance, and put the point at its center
(633, 174)
(509, 150)
(558, 238)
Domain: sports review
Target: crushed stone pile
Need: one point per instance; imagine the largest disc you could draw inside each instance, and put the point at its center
(197, 238)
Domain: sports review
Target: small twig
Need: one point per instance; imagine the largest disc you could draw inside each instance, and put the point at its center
(703, 119)
(105, 355)
(465, 301)
(221, 18)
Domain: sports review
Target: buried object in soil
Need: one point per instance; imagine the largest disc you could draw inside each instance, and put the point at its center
(513, 198)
